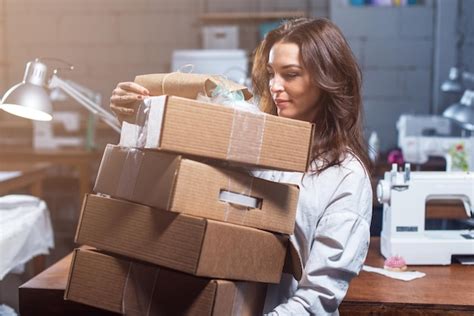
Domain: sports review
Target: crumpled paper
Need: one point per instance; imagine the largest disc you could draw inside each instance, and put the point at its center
(233, 99)
(404, 276)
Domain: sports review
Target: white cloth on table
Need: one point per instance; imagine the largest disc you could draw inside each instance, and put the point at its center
(25, 230)
(404, 275)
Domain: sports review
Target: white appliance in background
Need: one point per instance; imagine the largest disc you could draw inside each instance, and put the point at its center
(422, 136)
(230, 63)
(43, 135)
(220, 37)
(404, 195)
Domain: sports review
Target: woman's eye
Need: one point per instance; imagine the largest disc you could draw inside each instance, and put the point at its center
(291, 75)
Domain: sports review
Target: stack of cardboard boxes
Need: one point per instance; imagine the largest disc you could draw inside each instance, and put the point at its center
(179, 228)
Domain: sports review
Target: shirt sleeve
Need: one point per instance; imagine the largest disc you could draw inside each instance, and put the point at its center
(339, 247)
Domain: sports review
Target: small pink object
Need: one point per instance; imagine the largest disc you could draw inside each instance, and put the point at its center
(395, 156)
(395, 263)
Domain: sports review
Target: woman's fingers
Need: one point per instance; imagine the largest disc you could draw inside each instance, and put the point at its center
(121, 109)
(125, 98)
(133, 87)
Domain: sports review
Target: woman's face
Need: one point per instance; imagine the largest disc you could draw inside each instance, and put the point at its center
(293, 93)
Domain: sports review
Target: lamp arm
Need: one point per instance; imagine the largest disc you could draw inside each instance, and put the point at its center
(57, 82)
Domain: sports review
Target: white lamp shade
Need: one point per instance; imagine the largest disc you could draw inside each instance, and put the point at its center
(462, 112)
(29, 101)
(451, 86)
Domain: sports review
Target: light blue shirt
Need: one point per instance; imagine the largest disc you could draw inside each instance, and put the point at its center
(332, 234)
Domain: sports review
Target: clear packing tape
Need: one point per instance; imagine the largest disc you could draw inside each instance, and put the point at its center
(129, 173)
(236, 196)
(141, 287)
(244, 144)
(246, 132)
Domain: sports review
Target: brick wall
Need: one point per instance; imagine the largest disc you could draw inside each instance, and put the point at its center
(394, 47)
(107, 40)
(112, 40)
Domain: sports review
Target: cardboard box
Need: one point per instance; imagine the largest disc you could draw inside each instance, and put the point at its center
(208, 130)
(178, 184)
(185, 243)
(121, 285)
(221, 37)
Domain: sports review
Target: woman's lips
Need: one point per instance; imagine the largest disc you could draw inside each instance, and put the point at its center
(282, 103)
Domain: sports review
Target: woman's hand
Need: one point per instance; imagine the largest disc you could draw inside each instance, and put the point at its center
(125, 99)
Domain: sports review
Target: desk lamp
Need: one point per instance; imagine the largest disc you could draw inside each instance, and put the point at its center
(462, 112)
(456, 80)
(29, 98)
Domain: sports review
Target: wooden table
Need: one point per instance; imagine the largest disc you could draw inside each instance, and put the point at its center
(78, 159)
(445, 290)
(43, 294)
(30, 176)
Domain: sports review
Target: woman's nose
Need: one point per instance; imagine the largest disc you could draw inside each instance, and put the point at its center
(275, 85)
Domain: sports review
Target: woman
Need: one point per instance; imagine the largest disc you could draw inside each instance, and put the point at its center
(305, 70)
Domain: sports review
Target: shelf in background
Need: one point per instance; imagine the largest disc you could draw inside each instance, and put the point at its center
(250, 16)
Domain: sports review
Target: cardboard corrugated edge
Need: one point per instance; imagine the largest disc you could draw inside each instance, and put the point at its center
(70, 272)
(208, 247)
(165, 110)
(81, 252)
(268, 268)
(129, 253)
(293, 263)
(79, 221)
(276, 213)
(149, 188)
(203, 240)
(226, 299)
(175, 182)
(221, 306)
(310, 147)
(226, 111)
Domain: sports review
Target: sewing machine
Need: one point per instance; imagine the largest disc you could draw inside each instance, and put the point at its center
(422, 136)
(404, 195)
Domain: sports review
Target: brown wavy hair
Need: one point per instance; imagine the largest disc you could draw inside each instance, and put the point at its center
(327, 56)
